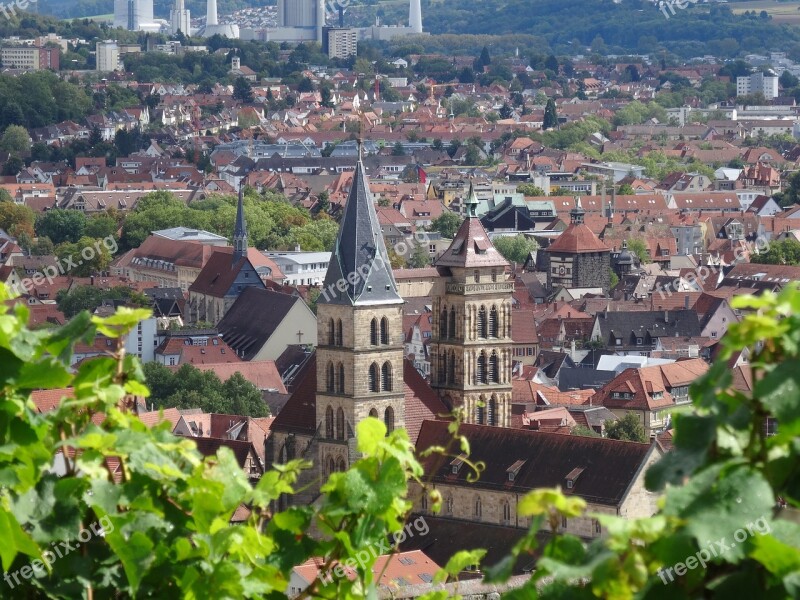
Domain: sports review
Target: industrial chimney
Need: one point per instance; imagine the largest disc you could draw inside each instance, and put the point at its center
(415, 16)
(211, 13)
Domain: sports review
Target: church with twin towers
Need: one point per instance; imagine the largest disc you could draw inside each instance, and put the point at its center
(358, 369)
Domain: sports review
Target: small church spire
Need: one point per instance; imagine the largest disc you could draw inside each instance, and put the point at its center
(577, 213)
(240, 231)
(471, 202)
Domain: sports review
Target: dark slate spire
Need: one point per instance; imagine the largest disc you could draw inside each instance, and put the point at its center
(240, 231)
(360, 273)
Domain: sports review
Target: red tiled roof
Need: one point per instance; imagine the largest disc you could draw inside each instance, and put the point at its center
(576, 239)
(471, 247)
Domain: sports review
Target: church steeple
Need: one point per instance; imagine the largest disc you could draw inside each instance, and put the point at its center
(360, 273)
(240, 231)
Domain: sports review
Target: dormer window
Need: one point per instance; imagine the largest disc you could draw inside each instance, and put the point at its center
(514, 470)
(572, 477)
(455, 464)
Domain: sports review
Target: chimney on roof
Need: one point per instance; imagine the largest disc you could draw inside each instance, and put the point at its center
(686, 302)
(666, 316)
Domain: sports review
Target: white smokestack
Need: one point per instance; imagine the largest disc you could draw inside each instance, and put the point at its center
(320, 19)
(415, 16)
(211, 14)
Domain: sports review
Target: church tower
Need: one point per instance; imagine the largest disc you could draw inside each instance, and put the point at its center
(240, 230)
(471, 345)
(359, 358)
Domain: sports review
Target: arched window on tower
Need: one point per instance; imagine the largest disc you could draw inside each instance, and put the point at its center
(491, 411)
(373, 332)
(384, 330)
(452, 325)
(341, 467)
(494, 368)
(478, 507)
(480, 372)
(386, 377)
(329, 382)
(482, 330)
(442, 367)
(373, 413)
(329, 423)
(388, 419)
(339, 332)
(374, 378)
(448, 504)
(331, 466)
(493, 322)
(451, 368)
(340, 381)
(331, 333)
(340, 424)
(480, 412)
(443, 324)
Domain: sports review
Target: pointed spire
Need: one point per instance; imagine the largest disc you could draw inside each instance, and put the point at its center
(240, 230)
(471, 202)
(577, 213)
(360, 272)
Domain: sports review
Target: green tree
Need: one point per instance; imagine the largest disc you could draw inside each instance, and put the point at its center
(61, 225)
(243, 91)
(584, 431)
(101, 225)
(781, 252)
(528, 189)
(639, 248)
(447, 224)
(15, 140)
(90, 256)
(89, 297)
(627, 428)
(16, 219)
(550, 115)
(515, 249)
(626, 190)
(419, 257)
(397, 149)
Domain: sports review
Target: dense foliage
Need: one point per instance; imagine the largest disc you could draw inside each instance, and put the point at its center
(163, 529)
(189, 387)
(271, 221)
(39, 99)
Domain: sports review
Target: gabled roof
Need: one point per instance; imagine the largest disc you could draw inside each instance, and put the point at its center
(245, 333)
(360, 254)
(609, 466)
(218, 275)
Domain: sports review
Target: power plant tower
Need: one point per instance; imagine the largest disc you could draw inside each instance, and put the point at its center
(320, 19)
(415, 16)
(212, 24)
(180, 19)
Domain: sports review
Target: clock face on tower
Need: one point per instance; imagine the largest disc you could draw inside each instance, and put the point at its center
(562, 270)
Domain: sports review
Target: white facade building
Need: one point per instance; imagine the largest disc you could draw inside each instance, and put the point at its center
(758, 82)
(302, 268)
(107, 56)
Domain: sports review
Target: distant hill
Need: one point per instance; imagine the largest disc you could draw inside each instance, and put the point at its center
(570, 26)
(87, 8)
